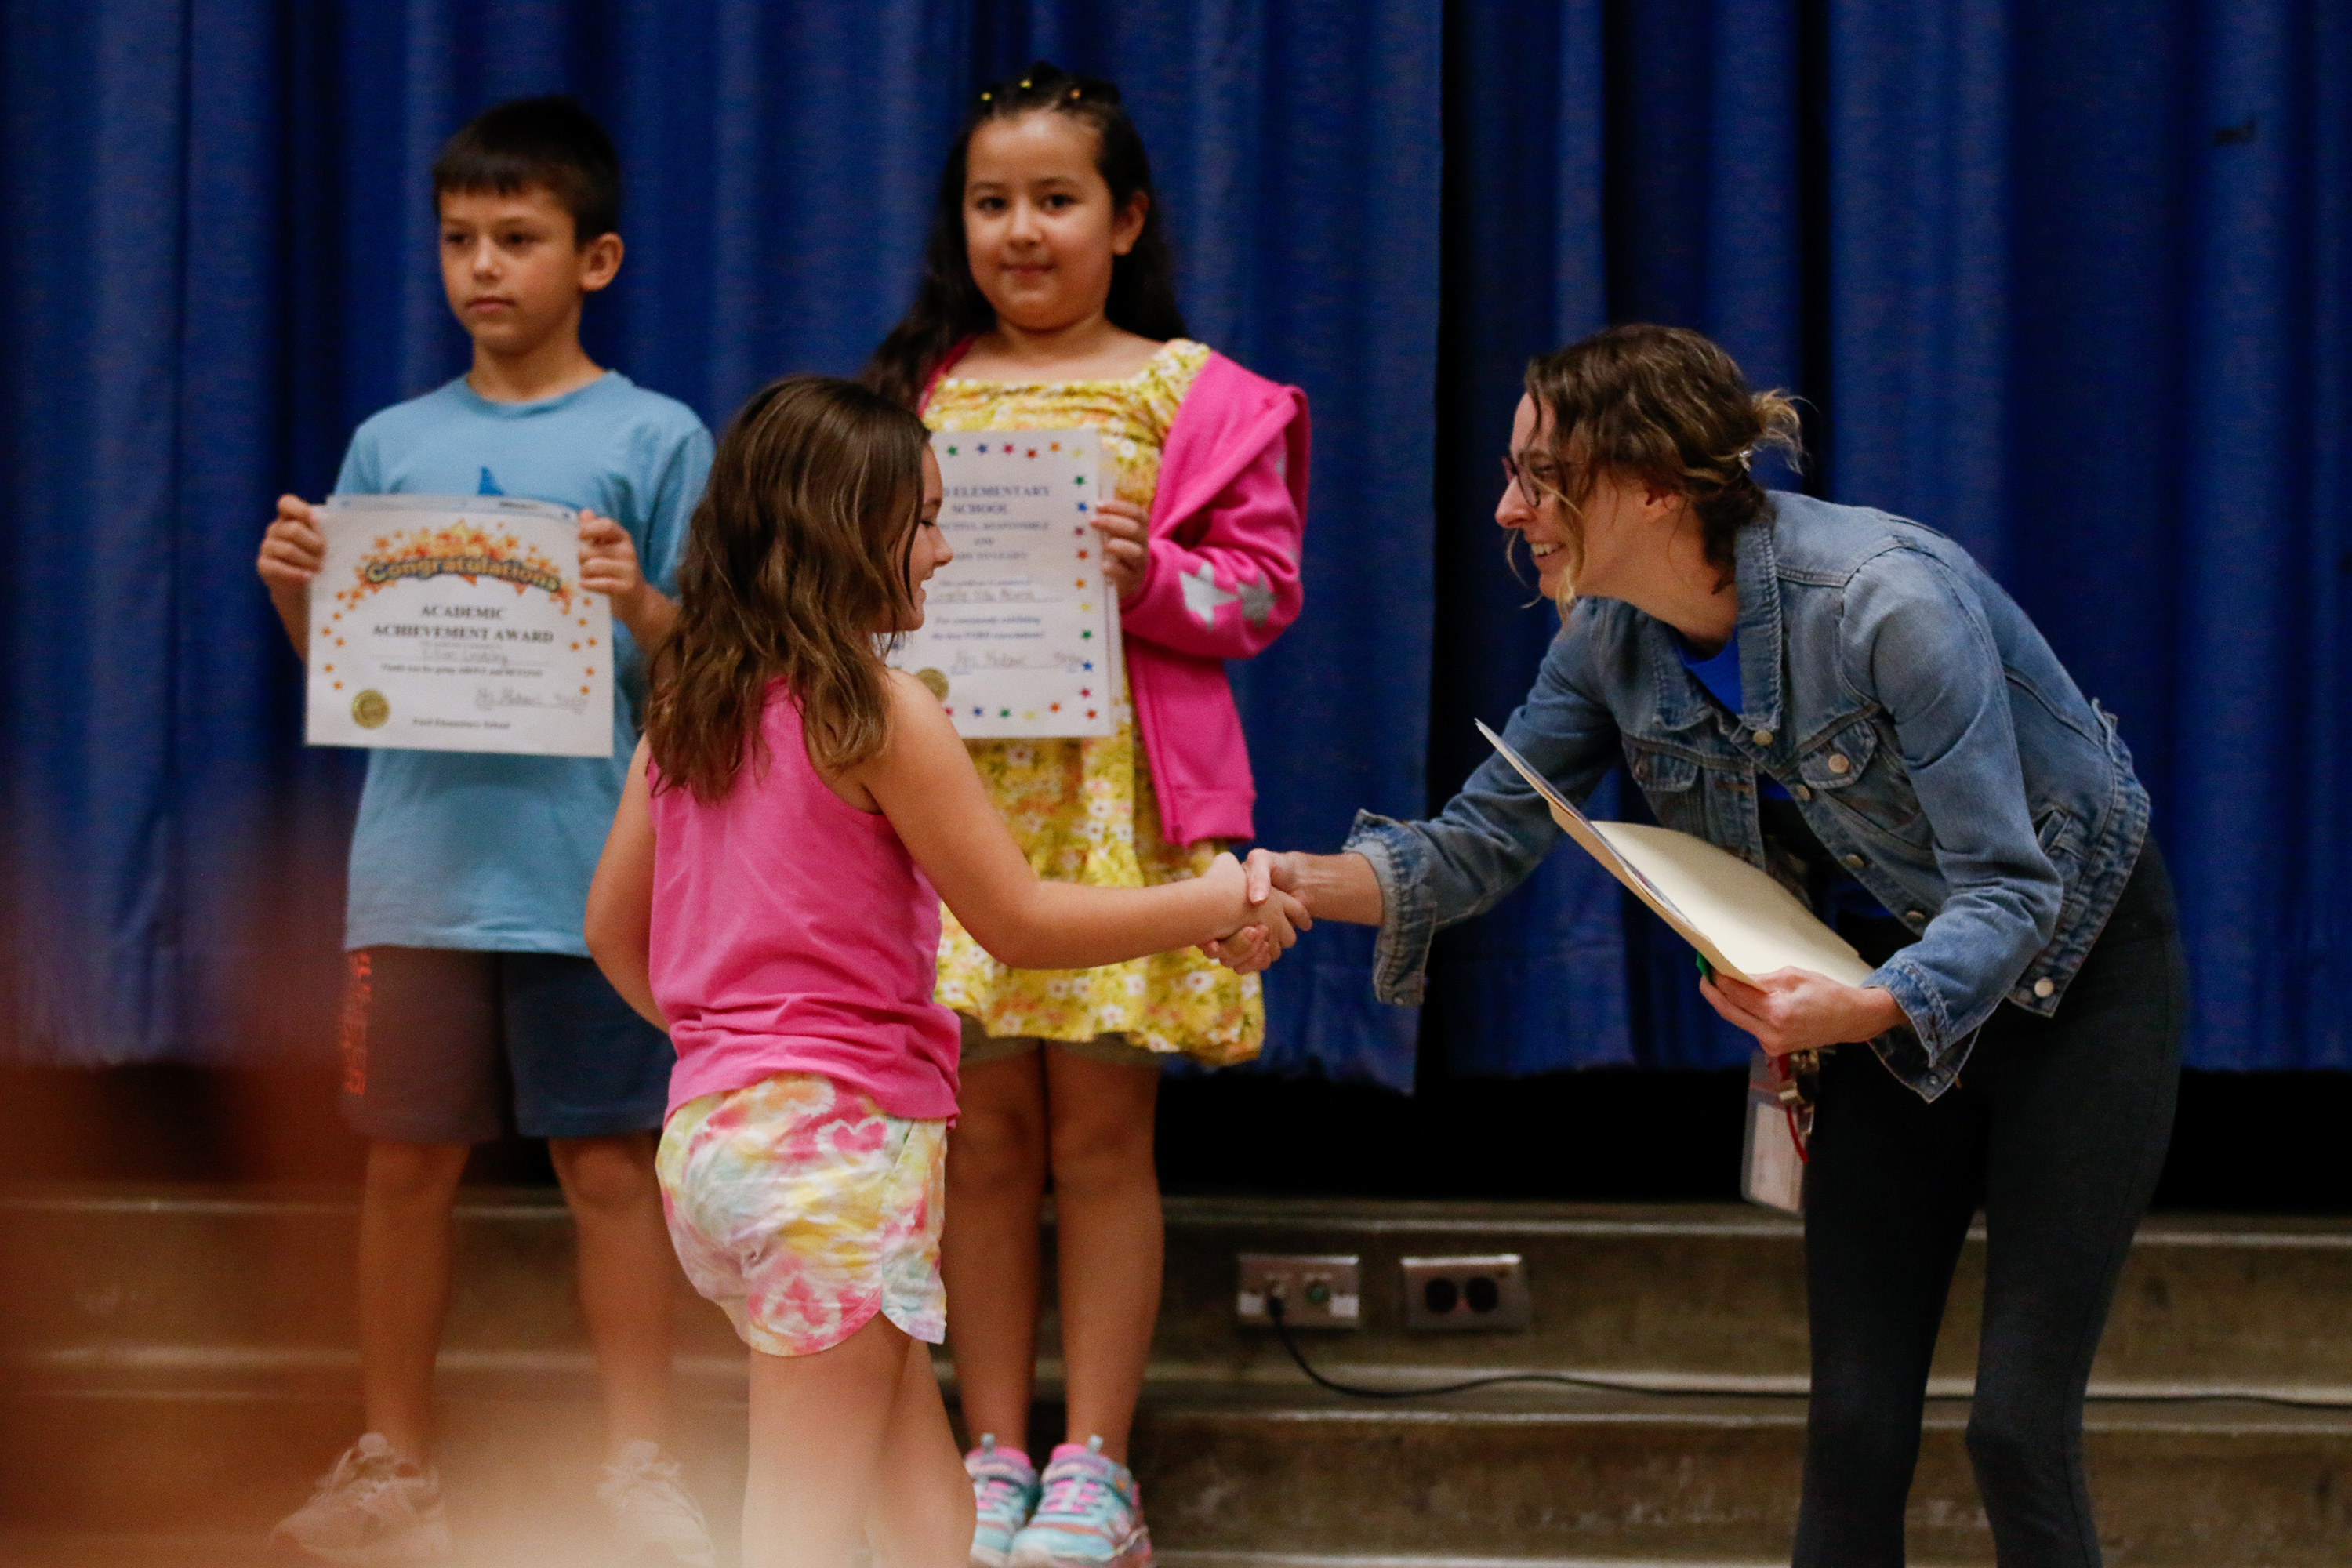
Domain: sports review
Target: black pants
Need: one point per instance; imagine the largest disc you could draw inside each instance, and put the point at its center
(2058, 1127)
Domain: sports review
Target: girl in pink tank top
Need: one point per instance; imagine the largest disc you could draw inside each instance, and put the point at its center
(770, 895)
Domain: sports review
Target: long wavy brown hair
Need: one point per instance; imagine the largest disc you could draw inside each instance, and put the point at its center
(795, 569)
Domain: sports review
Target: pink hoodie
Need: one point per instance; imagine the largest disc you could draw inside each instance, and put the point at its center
(1222, 582)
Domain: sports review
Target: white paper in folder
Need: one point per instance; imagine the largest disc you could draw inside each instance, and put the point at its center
(1738, 917)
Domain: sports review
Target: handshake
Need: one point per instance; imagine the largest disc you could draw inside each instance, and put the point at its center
(1277, 887)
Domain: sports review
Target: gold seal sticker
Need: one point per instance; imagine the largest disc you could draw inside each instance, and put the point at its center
(934, 681)
(369, 709)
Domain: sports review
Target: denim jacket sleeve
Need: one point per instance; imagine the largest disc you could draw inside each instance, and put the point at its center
(1917, 643)
(1491, 835)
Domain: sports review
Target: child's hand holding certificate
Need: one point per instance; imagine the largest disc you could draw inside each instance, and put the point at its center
(458, 623)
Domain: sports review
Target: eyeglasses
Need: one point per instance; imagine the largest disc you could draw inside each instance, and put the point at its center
(1535, 482)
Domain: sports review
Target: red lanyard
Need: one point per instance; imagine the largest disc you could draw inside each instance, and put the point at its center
(1794, 1102)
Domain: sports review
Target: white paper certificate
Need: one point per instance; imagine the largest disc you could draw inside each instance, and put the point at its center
(458, 623)
(1020, 630)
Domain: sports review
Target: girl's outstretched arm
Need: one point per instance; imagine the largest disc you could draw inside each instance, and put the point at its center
(621, 898)
(925, 782)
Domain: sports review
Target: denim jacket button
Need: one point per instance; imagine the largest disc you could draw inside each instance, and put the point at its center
(1914, 915)
(1801, 793)
(1762, 737)
(1838, 764)
(1853, 862)
(2044, 987)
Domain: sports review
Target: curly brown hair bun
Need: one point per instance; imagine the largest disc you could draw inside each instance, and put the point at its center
(1666, 406)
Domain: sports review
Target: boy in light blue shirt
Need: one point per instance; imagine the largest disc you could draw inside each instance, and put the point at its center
(470, 986)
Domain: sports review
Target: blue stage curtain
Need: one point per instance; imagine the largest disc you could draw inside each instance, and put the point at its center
(220, 258)
(2068, 282)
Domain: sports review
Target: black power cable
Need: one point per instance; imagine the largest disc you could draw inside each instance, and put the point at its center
(1274, 1311)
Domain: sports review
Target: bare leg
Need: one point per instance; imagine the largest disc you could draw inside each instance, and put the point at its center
(818, 1429)
(989, 1251)
(403, 1285)
(1107, 1206)
(626, 1274)
(921, 1513)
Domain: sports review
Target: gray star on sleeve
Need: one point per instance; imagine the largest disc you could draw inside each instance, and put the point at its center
(1257, 601)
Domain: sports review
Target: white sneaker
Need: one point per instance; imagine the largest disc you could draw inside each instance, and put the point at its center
(656, 1520)
(374, 1507)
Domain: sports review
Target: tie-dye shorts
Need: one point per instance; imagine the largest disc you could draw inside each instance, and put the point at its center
(804, 1208)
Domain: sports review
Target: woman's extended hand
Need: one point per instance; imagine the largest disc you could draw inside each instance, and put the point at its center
(1798, 1010)
(1268, 917)
(1126, 530)
(1254, 948)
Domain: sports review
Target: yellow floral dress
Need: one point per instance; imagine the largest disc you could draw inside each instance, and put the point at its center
(1082, 809)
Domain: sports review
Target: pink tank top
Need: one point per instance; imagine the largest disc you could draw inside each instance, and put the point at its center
(792, 932)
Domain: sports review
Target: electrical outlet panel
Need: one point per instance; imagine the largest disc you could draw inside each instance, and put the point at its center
(1318, 1291)
(1486, 1294)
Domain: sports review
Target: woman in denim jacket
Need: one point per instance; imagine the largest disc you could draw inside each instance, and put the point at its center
(1848, 700)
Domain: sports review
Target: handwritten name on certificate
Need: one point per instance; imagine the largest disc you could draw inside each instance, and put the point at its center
(458, 623)
(1020, 634)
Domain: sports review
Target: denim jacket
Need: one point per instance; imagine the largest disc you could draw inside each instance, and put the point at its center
(1931, 740)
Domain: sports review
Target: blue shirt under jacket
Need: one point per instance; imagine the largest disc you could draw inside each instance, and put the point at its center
(1932, 739)
(476, 850)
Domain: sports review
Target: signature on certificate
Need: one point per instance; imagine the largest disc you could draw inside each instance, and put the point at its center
(488, 699)
(968, 662)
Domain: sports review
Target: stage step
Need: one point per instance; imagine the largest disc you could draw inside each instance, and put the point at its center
(182, 1367)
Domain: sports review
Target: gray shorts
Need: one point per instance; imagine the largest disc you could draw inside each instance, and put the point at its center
(441, 1046)
(979, 1045)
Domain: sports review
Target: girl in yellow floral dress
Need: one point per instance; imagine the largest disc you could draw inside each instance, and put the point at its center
(1048, 303)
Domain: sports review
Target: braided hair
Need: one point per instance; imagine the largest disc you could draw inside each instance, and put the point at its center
(948, 306)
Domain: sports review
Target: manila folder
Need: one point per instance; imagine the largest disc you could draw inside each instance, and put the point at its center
(1740, 920)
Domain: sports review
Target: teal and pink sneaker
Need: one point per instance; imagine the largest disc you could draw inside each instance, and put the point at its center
(1089, 1517)
(1003, 1489)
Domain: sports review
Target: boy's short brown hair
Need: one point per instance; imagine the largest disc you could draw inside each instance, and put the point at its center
(547, 142)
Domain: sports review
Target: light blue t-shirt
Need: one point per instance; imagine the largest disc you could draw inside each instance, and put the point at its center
(469, 849)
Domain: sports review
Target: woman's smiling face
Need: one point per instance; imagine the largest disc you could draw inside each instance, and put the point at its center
(1532, 506)
(1599, 548)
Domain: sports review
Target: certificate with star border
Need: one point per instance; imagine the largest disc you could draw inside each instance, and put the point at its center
(458, 623)
(1020, 637)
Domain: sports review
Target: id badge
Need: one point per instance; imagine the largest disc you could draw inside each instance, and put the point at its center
(1772, 1162)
